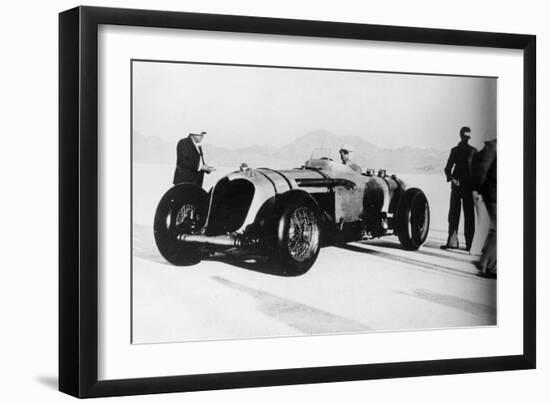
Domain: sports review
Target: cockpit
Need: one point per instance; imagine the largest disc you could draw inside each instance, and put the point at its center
(321, 159)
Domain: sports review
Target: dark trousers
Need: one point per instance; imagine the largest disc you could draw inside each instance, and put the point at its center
(461, 196)
(488, 261)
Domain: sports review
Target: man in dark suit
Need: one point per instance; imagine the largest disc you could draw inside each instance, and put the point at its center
(459, 173)
(190, 165)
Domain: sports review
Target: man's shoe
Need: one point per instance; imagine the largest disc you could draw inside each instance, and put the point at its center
(448, 247)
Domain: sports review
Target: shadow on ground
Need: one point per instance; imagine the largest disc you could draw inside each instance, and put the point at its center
(143, 246)
(419, 263)
(48, 381)
(253, 264)
(429, 248)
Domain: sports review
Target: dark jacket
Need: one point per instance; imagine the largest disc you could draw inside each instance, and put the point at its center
(459, 164)
(187, 164)
(484, 172)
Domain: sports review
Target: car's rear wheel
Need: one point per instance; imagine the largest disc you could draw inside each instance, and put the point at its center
(298, 236)
(182, 210)
(413, 219)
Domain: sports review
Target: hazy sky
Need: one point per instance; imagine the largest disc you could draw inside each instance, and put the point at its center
(242, 106)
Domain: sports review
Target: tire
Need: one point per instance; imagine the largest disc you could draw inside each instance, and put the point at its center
(182, 210)
(297, 236)
(413, 219)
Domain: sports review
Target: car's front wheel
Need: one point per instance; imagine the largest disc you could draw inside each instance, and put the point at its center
(182, 210)
(298, 235)
(413, 219)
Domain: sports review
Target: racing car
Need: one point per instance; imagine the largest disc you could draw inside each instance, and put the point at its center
(286, 216)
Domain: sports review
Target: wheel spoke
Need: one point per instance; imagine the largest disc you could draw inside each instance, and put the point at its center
(187, 219)
(302, 234)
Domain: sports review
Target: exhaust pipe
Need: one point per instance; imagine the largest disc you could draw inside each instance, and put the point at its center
(224, 240)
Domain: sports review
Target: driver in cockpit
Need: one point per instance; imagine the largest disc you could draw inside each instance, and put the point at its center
(346, 155)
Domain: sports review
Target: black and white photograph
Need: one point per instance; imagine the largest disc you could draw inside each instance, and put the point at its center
(273, 201)
(211, 201)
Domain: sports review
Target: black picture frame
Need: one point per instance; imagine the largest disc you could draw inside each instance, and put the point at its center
(78, 201)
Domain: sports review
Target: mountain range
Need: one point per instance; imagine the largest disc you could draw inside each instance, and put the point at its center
(153, 149)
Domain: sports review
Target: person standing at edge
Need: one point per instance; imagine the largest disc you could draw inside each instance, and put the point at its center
(190, 165)
(459, 173)
(484, 173)
(346, 155)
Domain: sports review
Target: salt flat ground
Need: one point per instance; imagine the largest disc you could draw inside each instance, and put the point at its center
(353, 287)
